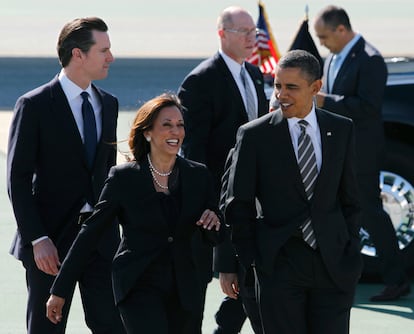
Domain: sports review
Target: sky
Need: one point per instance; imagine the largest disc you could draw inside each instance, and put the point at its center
(187, 28)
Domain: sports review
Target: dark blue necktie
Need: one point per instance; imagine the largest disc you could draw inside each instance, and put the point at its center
(89, 129)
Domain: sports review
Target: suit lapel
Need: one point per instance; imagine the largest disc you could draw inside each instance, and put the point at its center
(351, 56)
(62, 113)
(105, 124)
(283, 140)
(328, 147)
(187, 182)
(232, 85)
(259, 86)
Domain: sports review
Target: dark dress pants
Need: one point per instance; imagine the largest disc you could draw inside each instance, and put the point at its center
(299, 297)
(379, 226)
(95, 287)
(153, 305)
(203, 259)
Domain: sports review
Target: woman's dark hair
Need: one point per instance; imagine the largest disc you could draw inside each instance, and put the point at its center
(144, 121)
(78, 34)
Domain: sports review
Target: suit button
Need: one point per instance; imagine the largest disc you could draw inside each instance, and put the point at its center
(170, 239)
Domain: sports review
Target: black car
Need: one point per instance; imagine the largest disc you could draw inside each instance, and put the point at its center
(397, 174)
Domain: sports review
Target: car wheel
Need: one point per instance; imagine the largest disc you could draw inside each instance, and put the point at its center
(397, 191)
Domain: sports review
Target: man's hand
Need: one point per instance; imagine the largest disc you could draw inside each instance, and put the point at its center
(46, 257)
(229, 284)
(54, 308)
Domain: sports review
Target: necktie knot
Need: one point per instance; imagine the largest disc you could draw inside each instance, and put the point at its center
(303, 124)
(243, 75)
(85, 96)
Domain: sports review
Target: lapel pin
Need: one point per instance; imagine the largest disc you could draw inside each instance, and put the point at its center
(329, 133)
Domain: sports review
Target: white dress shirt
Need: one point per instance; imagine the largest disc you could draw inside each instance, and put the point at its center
(312, 130)
(235, 68)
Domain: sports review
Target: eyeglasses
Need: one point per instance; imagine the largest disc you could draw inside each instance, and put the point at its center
(244, 32)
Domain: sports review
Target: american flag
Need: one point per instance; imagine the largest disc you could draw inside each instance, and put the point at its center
(265, 54)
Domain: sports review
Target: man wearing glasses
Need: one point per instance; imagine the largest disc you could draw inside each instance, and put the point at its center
(219, 95)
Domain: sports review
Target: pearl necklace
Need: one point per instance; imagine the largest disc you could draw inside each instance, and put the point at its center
(157, 182)
(156, 171)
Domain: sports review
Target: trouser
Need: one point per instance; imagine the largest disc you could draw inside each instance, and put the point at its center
(95, 288)
(299, 297)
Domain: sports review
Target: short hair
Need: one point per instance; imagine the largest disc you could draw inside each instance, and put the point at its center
(78, 34)
(144, 121)
(305, 61)
(333, 16)
(225, 20)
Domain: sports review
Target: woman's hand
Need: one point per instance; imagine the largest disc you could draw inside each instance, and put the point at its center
(54, 308)
(209, 220)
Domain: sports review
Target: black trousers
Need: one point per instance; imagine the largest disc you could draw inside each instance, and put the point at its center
(95, 287)
(299, 297)
(153, 305)
(379, 226)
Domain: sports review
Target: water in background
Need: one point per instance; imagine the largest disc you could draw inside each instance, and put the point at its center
(132, 80)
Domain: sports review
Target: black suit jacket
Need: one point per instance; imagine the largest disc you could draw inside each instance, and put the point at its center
(129, 195)
(213, 111)
(357, 93)
(47, 173)
(265, 166)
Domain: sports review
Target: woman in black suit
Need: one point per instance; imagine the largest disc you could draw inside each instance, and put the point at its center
(160, 200)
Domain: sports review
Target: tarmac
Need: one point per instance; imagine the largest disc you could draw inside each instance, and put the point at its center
(366, 318)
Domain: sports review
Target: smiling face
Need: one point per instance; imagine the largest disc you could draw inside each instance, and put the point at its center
(167, 132)
(294, 92)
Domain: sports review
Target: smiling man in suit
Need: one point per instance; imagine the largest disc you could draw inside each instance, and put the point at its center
(355, 75)
(220, 94)
(298, 162)
(59, 154)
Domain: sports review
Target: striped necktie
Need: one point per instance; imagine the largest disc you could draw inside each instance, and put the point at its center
(309, 171)
(89, 130)
(250, 105)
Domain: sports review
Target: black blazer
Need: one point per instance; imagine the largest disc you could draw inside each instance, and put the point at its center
(265, 166)
(357, 93)
(47, 174)
(129, 195)
(213, 111)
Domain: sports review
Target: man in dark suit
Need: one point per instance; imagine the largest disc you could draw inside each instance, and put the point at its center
(354, 81)
(217, 98)
(61, 147)
(298, 162)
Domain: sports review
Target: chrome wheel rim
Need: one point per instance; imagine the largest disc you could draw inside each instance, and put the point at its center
(398, 201)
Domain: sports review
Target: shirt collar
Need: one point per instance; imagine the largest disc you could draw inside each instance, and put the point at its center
(310, 118)
(233, 65)
(72, 91)
(344, 52)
